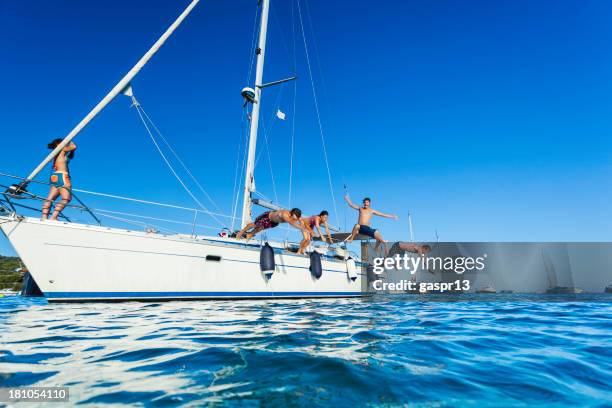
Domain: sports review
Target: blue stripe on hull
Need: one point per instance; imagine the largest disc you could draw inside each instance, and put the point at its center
(178, 295)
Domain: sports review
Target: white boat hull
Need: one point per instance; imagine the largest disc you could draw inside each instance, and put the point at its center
(78, 262)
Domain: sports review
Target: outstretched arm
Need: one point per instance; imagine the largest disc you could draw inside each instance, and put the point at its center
(328, 232)
(350, 203)
(294, 223)
(318, 226)
(393, 216)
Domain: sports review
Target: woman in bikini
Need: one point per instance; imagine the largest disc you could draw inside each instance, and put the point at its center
(60, 180)
(313, 223)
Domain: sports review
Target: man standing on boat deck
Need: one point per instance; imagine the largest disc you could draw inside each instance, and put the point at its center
(363, 222)
(271, 219)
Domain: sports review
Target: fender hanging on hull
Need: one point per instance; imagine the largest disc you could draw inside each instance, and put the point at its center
(266, 260)
(351, 269)
(315, 264)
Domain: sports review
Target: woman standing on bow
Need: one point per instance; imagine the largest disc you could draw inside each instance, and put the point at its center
(60, 180)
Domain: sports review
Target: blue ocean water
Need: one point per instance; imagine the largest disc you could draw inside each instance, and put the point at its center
(414, 350)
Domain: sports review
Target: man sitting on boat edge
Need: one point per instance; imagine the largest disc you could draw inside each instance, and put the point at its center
(271, 219)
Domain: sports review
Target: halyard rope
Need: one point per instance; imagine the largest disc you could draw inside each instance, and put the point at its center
(316, 104)
(144, 122)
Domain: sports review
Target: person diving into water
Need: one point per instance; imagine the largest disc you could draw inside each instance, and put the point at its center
(61, 184)
(311, 224)
(363, 222)
(412, 247)
(271, 219)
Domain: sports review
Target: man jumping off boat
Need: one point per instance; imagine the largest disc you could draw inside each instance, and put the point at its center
(311, 224)
(363, 222)
(60, 180)
(271, 219)
(399, 247)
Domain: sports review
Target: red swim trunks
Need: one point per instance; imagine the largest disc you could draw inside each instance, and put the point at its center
(264, 222)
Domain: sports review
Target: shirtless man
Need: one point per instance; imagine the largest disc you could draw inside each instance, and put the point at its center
(409, 247)
(311, 224)
(363, 223)
(271, 219)
(400, 247)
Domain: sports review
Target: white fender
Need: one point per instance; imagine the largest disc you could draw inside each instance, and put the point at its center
(351, 269)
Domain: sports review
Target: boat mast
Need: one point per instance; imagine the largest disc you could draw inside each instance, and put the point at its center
(249, 181)
(121, 85)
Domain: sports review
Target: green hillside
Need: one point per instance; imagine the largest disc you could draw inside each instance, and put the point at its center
(9, 279)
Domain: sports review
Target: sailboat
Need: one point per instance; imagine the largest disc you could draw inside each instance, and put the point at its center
(74, 261)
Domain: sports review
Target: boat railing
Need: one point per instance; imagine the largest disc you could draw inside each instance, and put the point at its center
(13, 200)
(16, 200)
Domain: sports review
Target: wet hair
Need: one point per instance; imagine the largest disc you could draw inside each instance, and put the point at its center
(296, 211)
(56, 142)
(322, 213)
(366, 199)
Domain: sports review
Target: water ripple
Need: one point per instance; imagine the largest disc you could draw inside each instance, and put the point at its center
(416, 350)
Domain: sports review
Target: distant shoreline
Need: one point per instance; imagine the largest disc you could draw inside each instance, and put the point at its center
(10, 275)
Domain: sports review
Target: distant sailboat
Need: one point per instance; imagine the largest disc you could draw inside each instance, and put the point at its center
(486, 289)
(73, 261)
(551, 273)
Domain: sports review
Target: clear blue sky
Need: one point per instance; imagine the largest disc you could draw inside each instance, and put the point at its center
(488, 120)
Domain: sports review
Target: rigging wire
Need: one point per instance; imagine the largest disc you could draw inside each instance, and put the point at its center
(137, 200)
(176, 156)
(282, 35)
(144, 122)
(104, 212)
(294, 110)
(267, 131)
(316, 53)
(253, 43)
(242, 171)
(238, 176)
(292, 144)
(139, 223)
(314, 94)
(269, 157)
(238, 146)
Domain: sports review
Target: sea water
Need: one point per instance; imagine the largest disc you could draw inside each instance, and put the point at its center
(415, 350)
